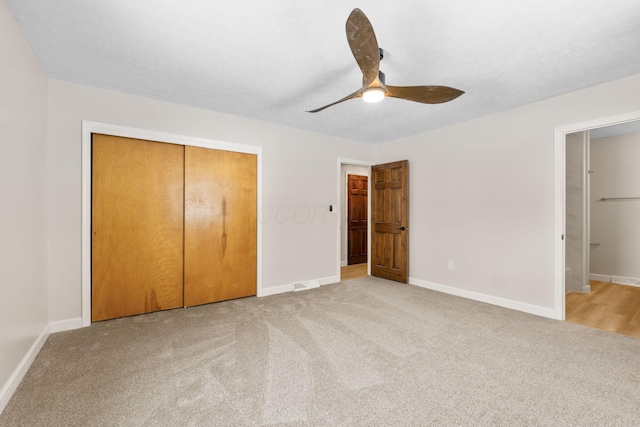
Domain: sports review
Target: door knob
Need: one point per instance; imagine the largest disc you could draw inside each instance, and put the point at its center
(404, 228)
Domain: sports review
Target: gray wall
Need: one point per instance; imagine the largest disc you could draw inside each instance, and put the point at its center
(482, 194)
(300, 173)
(23, 236)
(615, 224)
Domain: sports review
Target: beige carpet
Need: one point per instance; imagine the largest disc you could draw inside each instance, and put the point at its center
(364, 352)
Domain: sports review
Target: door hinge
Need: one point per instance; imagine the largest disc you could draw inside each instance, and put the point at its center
(563, 237)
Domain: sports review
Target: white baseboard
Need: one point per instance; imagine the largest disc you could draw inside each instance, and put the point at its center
(65, 325)
(502, 302)
(274, 290)
(343, 263)
(14, 380)
(329, 280)
(629, 281)
(600, 277)
(305, 286)
(619, 280)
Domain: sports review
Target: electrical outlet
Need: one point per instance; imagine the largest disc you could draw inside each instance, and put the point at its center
(450, 265)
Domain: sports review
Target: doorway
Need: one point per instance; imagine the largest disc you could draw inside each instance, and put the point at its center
(599, 273)
(605, 294)
(357, 218)
(356, 265)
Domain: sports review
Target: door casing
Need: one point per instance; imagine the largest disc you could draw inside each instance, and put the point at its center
(342, 209)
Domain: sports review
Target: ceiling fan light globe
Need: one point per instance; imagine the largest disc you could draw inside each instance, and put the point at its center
(373, 94)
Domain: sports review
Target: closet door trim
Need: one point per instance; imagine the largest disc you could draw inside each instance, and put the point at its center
(89, 128)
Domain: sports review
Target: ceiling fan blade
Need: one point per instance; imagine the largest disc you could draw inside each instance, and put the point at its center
(355, 94)
(424, 94)
(364, 46)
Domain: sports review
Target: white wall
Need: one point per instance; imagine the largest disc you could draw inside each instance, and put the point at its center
(344, 228)
(23, 107)
(614, 224)
(299, 183)
(482, 194)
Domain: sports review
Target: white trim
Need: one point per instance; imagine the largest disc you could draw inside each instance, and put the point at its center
(305, 286)
(559, 138)
(18, 374)
(600, 277)
(282, 289)
(343, 161)
(65, 325)
(89, 128)
(329, 280)
(629, 281)
(343, 263)
(274, 290)
(559, 148)
(502, 302)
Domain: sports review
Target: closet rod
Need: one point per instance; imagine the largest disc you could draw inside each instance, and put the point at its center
(604, 199)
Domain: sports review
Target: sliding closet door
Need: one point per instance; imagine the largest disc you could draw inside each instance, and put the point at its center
(137, 226)
(220, 225)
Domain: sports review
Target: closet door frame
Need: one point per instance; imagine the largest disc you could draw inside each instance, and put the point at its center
(89, 128)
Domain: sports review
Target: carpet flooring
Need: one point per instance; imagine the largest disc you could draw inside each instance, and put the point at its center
(363, 352)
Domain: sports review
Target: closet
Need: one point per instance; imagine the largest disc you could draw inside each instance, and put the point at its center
(172, 226)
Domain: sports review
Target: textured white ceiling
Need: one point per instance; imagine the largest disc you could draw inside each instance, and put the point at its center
(273, 60)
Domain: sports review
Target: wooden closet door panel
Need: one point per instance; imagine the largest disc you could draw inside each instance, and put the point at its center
(137, 226)
(220, 225)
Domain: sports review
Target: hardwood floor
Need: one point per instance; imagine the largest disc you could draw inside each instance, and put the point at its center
(354, 271)
(608, 306)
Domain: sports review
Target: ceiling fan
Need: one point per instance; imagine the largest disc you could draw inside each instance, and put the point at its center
(364, 46)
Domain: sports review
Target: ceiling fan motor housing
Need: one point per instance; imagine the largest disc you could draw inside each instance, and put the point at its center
(381, 76)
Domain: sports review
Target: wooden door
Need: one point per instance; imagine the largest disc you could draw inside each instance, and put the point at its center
(137, 226)
(357, 218)
(220, 225)
(390, 221)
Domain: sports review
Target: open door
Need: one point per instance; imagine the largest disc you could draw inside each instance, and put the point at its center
(390, 221)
